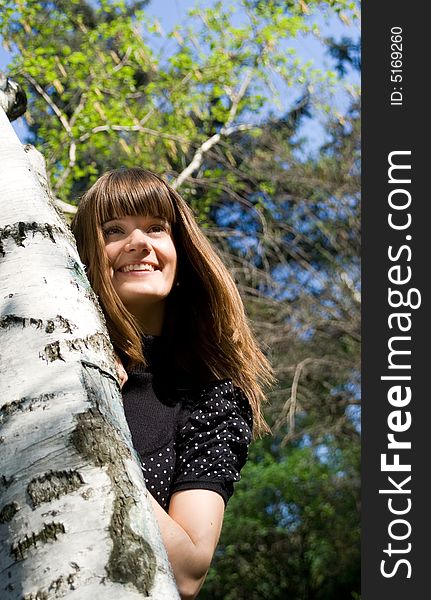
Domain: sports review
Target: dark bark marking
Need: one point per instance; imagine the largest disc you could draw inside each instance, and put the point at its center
(20, 231)
(50, 325)
(100, 368)
(53, 485)
(58, 587)
(5, 481)
(8, 512)
(62, 582)
(133, 562)
(51, 352)
(39, 595)
(132, 559)
(14, 321)
(23, 404)
(51, 513)
(59, 323)
(97, 440)
(47, 534)
(97, 341)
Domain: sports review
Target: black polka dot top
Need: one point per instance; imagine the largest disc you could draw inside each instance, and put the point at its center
(193, 438)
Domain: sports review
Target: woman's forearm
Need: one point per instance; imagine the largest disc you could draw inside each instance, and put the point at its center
(188, 560)
(190, 531)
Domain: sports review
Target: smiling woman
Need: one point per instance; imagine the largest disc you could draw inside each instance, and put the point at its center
(195, 373)
(143, 264)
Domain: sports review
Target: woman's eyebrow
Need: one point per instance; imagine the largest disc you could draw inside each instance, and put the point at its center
(111, 220)
(149, 217)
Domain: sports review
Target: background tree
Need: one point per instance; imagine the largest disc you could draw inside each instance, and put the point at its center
(299, 498)
(222, 116)
(99, 96)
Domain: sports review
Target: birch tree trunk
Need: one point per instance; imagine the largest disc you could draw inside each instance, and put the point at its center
(75, 518)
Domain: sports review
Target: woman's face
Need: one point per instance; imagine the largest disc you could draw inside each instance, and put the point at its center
(143, 264)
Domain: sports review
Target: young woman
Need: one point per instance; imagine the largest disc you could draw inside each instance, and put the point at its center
(195, 373)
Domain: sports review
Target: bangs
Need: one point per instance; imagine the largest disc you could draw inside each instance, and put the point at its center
(134, 191)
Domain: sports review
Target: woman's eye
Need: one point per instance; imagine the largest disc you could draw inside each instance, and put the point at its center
(157, 228)
(114, 229)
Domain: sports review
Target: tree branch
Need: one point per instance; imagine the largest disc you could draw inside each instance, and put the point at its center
(65, 123)
(50, 103)
(205, 147)
(139, 128)
(225, 131)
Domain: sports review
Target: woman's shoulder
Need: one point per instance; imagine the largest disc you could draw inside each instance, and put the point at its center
(215, 400)
(217, 411)
(213, 437)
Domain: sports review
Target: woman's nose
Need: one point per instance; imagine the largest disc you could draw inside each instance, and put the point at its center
(137, 241)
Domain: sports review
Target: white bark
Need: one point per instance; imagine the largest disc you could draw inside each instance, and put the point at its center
(75, 520)
(39, 167)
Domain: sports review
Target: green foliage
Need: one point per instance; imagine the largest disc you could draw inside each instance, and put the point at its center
(100, 98)
(291, 529)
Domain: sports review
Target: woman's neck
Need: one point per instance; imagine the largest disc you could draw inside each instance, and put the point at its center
(151, 320)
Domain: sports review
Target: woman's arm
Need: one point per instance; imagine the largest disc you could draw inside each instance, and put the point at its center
(190, 533)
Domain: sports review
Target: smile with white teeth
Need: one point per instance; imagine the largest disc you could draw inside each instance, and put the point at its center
(138, 267)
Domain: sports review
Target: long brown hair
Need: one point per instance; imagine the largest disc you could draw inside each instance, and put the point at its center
(205, 326)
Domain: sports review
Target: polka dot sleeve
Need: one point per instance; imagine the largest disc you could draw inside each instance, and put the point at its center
(212, 444)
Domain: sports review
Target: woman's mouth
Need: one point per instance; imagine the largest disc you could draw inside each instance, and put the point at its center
(138, 267)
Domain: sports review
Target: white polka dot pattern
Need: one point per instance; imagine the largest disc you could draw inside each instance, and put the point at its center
(158, 473)
(212, 446)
